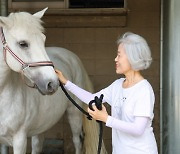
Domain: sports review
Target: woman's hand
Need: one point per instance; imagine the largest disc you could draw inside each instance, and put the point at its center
(100, 115)
(61, 77)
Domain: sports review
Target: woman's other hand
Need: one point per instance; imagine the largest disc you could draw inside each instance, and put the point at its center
(61, 77)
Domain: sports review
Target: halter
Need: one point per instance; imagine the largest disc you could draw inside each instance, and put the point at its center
(24, 65)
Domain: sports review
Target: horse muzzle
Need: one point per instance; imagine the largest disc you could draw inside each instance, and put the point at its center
(47, 87)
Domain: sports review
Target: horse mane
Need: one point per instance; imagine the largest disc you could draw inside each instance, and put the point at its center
(27, 21)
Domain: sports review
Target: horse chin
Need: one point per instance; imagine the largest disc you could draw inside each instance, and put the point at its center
(41, 91)
(45, 93)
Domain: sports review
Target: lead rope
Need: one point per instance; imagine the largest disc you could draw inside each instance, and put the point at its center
(98, 103)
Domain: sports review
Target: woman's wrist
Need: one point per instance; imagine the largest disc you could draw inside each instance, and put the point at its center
(105, 118)
(64, 81)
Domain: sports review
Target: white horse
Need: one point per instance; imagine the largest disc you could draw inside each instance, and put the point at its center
(25, 111)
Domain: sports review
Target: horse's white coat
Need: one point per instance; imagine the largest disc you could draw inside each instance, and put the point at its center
(25, 112)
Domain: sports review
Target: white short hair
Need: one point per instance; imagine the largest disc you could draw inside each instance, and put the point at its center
(137, 50)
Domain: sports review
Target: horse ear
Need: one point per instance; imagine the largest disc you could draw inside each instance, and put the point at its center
(40, 13)
(4, 21)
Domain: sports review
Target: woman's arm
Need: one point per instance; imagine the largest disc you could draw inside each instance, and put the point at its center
(82, 94)
(136, 128)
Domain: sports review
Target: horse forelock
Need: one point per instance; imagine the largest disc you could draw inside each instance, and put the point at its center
(27, 22)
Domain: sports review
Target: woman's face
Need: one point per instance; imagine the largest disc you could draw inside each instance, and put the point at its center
(122, 62)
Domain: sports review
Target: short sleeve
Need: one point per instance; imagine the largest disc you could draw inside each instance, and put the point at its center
(107, 92)
(111, 90)
(145, 103)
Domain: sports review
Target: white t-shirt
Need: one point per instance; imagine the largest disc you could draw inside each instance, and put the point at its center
(126, 103)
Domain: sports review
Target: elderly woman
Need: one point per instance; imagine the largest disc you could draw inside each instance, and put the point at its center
(131, 99)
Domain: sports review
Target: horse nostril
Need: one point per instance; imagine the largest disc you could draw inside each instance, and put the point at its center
(50, 87)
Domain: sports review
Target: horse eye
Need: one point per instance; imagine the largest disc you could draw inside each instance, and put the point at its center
(23, 44)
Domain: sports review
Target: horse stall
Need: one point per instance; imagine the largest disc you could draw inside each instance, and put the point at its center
(90, 31)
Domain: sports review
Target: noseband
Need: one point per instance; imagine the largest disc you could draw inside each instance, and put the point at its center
(24, 64)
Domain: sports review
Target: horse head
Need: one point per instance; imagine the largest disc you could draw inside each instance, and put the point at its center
(24, 49)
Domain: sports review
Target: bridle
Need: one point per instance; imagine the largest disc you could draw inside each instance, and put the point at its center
(24, 64)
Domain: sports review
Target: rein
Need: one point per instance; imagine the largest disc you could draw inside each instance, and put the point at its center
(23, 64)
(98, 102)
